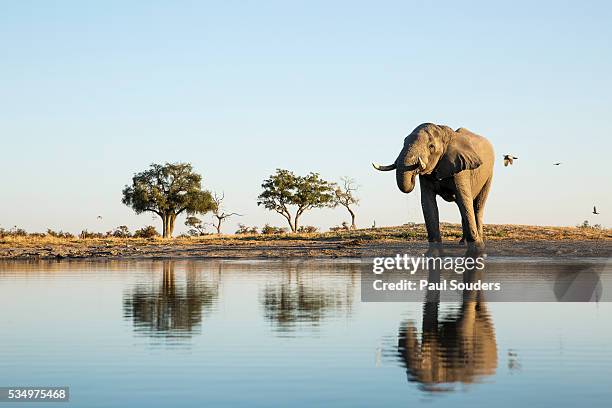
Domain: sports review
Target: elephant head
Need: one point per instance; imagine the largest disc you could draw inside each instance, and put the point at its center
(432, 149)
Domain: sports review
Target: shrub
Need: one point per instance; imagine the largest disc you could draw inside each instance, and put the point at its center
(195, 233)
(89, 234)
(121, 231)
(270, 230)
(146, 232)
(59, 234)
(243, 229)
(13, 232)
(198, 228)
(307, 229)
(585, 224)
(343, 227)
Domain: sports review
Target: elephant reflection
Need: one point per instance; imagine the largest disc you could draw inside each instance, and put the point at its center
(170, 308)
(456, 348)
(307, 294)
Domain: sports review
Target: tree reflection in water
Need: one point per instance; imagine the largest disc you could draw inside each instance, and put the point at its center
(459, 347)
(304, 294)
(171, 308)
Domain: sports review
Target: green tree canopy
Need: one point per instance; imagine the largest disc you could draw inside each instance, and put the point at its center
(284, 189)
(168, 190)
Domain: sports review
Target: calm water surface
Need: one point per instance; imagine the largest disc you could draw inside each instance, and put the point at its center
(274, 333)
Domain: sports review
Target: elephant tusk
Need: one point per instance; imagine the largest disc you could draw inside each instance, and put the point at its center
(422, 164)
(384, 168)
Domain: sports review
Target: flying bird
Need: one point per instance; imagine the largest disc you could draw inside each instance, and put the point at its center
(556, 164)
(595, 210)
(508, 159)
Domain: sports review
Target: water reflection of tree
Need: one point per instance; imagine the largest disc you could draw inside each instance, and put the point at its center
(459, 347)
(308, 293)
(172, 307)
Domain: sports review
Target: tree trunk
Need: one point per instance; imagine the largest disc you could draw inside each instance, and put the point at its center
(164, 218)
(291, 227)
(168, 225)
(171, 225)
(218, 226)
(353, 226)
(295, 227)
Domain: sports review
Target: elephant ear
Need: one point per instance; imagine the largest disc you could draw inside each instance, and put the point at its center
(460, 155)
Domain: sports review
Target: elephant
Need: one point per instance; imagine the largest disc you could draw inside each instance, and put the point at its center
(454, 164)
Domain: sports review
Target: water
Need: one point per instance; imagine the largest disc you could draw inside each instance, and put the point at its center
(279, 333)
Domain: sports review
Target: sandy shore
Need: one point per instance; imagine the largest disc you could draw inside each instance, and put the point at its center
(502, 240)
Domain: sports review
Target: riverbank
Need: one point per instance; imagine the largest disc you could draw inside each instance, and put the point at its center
(502, 240)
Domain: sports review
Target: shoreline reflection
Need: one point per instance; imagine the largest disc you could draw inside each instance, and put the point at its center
(456, 347)
(173, 307)
(303, 295)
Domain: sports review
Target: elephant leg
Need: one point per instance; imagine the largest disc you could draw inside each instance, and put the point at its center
(463, 229)
(466, 207)
(479, 203)
(430, 213)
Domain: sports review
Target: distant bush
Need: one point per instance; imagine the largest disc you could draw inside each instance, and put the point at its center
(122, 231)
(195, 233)
(343, 227)
(90, 234)
(271, 230)
(146, 232)
(243, 229)
(585, 224)
(13, 232)
(197, 227)
(59, 234)
(307, 229)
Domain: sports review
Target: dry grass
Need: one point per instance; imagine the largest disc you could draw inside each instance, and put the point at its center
(418, 232)
(450, 232)
(518, 238)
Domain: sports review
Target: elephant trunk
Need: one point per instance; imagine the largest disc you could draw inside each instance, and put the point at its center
(406, 167)
(409, 164)
(405, 180)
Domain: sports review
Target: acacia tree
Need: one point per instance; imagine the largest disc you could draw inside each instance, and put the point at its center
(218, 212)
(168, 190)
(345, 196)
(284, 189)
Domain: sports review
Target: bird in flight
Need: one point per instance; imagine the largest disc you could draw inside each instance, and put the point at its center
(556, 164)
(595, 210)
(508, 159)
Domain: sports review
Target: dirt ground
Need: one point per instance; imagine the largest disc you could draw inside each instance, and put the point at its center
(502, 240)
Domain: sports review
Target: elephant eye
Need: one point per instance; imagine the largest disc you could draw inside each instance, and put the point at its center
(432, 147)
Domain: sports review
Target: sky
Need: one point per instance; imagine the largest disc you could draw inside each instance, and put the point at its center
(93, 92)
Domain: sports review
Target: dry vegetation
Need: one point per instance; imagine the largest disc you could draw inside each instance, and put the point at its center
(328, 244)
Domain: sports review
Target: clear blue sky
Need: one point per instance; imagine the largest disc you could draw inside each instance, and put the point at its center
(92, 92)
